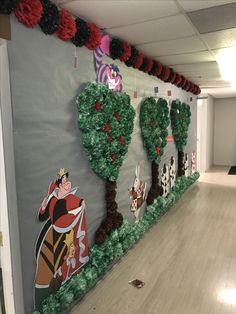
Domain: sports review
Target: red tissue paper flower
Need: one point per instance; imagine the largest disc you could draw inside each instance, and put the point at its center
(109, 139)
(67, 26)
(29, 12)
(106, 127)
(159, 69)
(149, 65)
(166, 74)
(121, 140)
(116, 115)
(139, 60)
(173, 77)
(95, 37)
(113, 156)
(98, 106)
(127, 51)
(158, 150)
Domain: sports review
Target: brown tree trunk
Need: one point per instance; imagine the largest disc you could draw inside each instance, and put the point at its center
(155, 189)
(113, 219)
(180, 164)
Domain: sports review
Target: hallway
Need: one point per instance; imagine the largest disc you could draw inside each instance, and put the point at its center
(187, 260)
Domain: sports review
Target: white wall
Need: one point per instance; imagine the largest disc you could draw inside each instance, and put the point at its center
(205, 132)
(225, 132)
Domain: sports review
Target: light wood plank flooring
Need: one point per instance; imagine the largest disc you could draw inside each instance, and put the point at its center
(187, 260)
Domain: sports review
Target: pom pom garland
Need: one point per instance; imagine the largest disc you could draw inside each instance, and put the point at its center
(29, 12)
(50, 19)
(7, 6)
(126, 52)
(116, 48)
(67, 26)
(95, 37)
(132, 59)
(82, 33)
(139, 60)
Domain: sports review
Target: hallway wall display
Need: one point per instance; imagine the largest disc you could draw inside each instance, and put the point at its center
(180, 114)
(47, 136)
(154, 120)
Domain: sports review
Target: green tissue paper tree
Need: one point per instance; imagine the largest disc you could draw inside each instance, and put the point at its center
(180, 120)
(106, 119)
(154, 120)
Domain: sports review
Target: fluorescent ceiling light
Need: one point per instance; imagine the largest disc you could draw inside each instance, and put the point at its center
(226, 60)
(227, 296)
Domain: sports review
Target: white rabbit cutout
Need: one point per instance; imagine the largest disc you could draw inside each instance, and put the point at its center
(137, 194)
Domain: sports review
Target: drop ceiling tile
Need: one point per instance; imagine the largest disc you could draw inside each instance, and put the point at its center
(164, 29)
(182, 45)
(203, 56)
(115, 13)
(214, 19)
(202, 67)
(221, 39)
(193, 5)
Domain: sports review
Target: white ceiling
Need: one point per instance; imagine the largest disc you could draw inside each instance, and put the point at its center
(175, 32)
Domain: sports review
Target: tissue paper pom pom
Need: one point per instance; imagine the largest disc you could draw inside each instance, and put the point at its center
(149, 65)
(82, 33)
(29, 12)
(116, 48)
(173, 77)
(50, 19)
(67, 26)
(126, 51)
(178, 79)
(95, 37)
(166, 74)
(134, 52)
(159, 69)
(7, 6)
(139, 60)
(100, 236)
(154, 68)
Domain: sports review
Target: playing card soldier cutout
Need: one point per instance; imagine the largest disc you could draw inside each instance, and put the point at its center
(62, 245)
(165, 180)
(137, 194)
(172, 172)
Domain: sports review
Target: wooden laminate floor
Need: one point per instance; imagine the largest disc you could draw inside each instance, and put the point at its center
(187, 260)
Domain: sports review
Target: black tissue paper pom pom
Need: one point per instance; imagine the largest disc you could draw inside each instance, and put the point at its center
(116, 48)
(7, 6)
(144, 64)
(154, 68)
(50, 19)
(82, 33)
(133, 56)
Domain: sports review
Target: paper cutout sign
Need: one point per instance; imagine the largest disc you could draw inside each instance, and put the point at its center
(108, 74)
(137, 194)
(170, 139)
(62, 245)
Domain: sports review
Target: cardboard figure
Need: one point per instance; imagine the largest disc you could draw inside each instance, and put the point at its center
(193, 161)
(186, 165)
(107, 74)
(172, 172)
(137, 194)
(62, 245)
(165, 180)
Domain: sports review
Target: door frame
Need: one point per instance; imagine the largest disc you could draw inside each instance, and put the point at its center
(10, 251)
